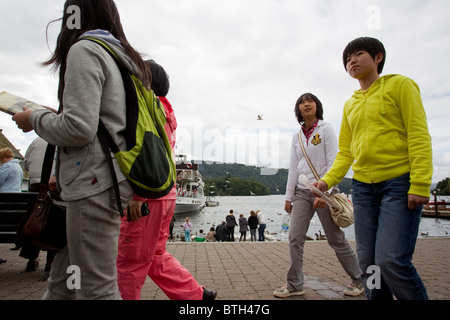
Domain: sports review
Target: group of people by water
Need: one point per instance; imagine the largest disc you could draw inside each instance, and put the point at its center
(225, 232)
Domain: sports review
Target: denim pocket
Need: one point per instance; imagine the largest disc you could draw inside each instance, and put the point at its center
(397, 189)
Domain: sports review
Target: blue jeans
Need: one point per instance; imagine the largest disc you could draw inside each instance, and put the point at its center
(386, 233)
(261, 229)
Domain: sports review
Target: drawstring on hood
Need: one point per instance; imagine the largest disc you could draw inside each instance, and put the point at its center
(380, 83)
(383, 109)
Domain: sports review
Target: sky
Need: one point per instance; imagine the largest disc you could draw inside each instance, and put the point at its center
(232, 60)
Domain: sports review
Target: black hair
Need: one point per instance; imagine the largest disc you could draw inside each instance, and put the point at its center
(98, 14)
(160, 79)
(308, 96)
(371, 45)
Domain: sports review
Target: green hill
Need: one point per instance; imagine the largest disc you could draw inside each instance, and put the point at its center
(242, 180)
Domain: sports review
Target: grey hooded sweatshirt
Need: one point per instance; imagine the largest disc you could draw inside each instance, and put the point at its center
(93, 89)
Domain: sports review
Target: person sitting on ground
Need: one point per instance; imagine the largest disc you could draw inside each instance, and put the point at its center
(211, 235)
(200, 237)
(221, 232)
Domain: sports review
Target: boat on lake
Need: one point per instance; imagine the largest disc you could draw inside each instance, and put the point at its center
(190, 187)
(211, 202)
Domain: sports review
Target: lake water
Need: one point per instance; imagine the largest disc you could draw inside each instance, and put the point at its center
(273, 208)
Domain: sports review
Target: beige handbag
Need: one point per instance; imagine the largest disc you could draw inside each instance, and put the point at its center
(343, 216)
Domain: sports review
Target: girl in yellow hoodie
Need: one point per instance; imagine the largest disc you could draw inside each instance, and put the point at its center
(384, 137)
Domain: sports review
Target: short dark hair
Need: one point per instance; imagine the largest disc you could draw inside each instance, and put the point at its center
(371, 45)
(308, 96)
(160, 79)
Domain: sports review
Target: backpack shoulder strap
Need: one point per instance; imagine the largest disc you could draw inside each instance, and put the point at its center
(105, 138)
(106, 47)
(131, 97)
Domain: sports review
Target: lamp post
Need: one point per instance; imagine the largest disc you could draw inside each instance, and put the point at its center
(436, 212)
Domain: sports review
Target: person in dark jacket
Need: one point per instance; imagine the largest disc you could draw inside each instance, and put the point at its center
(253, 225)
(231, 223)
(243, 227)
(221, 232)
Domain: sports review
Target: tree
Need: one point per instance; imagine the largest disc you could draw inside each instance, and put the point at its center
(444, 187)
(214, 173)
(234, 187)
(276, 183)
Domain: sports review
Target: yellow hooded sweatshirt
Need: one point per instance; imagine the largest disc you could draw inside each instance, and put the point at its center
(384, 134)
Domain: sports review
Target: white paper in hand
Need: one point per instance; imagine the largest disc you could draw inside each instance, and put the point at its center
(303, 179)
(13, 104)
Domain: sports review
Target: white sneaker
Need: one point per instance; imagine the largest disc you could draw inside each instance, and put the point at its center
(284, 292)
(354, 289)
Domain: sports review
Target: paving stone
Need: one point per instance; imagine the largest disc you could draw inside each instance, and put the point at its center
(247, 270)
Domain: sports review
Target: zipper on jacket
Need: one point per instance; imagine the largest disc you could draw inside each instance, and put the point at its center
(365, 141)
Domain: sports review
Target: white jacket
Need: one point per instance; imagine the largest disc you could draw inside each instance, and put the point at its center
(34, 157)
(321, 148)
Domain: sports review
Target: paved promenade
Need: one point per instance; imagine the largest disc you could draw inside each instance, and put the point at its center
(246, 271)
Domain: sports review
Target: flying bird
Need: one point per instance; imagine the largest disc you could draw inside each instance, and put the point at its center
(260, 117)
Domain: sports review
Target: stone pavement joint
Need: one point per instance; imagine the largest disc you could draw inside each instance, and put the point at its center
(246, 270)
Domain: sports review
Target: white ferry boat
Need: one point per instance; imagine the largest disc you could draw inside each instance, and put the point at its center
(190, 187)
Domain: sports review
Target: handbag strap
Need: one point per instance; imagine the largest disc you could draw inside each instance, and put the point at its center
(47, 165)
(309, 161)
(307, 158)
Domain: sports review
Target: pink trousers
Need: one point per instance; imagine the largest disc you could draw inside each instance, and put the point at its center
(142, 252)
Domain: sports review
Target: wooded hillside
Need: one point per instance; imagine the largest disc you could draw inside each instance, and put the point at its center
(239, 179)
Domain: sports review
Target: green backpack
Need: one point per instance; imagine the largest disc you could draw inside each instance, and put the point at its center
(147, 163)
